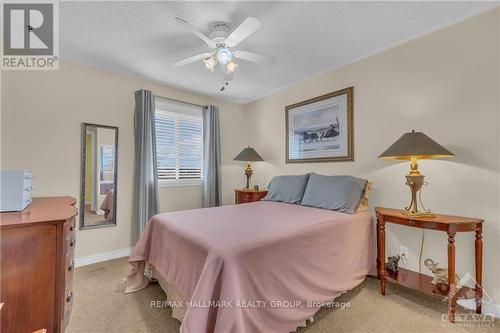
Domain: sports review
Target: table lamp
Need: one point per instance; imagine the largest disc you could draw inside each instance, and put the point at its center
(248, 155)
(413, 146)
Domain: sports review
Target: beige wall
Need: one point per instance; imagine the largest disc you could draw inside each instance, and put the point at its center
(445, 84)
(41, 117)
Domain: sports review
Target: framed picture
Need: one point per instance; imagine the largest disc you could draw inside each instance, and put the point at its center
(320, 129)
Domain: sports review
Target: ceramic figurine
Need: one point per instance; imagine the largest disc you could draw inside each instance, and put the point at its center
(440, 274)
(392, 263)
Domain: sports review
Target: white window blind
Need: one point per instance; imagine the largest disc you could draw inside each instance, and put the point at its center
(179, 142)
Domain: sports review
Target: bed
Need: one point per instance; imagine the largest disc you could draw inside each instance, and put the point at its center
(256, 267)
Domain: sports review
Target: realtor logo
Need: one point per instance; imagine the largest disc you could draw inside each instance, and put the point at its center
(30, 38)
(467, 299)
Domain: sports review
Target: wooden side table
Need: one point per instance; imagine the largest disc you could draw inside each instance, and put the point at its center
(449, 224)
(245, 195)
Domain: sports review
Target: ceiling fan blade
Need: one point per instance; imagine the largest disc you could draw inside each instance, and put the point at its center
(196, 32)
(245, 29)
(192, 59)
(254, 57)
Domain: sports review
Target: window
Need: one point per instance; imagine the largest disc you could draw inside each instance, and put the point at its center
(179, 143)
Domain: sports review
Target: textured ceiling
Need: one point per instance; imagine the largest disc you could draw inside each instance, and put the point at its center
(307, 38)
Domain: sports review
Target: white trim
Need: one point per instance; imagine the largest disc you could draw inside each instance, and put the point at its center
(488, 308)
(180, 182)
(100, 257)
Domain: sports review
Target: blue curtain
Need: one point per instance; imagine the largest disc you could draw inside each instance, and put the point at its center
(145, 203)
(212, 188)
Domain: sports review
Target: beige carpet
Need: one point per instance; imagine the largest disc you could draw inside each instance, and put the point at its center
(101, 306)
(91, 218)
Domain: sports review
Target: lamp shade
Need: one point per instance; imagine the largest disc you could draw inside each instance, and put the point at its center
(417, 145)
(248, 155)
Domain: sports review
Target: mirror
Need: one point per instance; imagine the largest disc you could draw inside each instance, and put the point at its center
(99, 176)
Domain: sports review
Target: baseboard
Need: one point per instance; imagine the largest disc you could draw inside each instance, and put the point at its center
(100, 257)
(488, 308)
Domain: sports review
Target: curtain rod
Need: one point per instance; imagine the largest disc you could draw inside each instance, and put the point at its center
(177, 100)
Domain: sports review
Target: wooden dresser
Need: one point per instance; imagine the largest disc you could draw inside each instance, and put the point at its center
(37, 264)
(245, 195)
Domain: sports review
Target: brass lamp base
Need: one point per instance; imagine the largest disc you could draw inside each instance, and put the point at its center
(248, 173)
(415, 180)
(417, 214)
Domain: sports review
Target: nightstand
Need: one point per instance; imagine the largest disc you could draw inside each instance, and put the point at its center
(245, 195)
(418, 281)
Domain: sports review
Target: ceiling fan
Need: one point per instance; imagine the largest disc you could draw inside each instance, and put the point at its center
(221, 42)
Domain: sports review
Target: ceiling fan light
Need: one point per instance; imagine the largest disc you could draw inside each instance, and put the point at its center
(210, 63)
(224, 55)
(231, 67)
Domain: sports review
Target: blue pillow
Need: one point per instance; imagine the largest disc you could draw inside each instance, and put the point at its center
(340, 193)
(288, 189)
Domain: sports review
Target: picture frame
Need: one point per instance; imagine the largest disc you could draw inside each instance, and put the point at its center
(320, 129)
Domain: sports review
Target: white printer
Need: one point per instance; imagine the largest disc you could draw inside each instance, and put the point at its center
(15, 192)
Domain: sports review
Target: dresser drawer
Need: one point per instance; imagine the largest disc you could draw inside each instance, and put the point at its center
(68, 301)
(245, 196)
(69, 228)
(70, 244)
(69, 268)
(35, 275)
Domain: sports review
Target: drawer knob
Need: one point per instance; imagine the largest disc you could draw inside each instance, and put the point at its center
(71, 227)
(69, 297)
(71, 266)
(411, 222)
(72, 243)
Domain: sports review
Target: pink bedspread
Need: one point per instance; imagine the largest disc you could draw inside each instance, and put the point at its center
(264, 263)
(107, 206)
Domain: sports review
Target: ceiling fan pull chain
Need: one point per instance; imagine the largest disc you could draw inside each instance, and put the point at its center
(224, 85)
